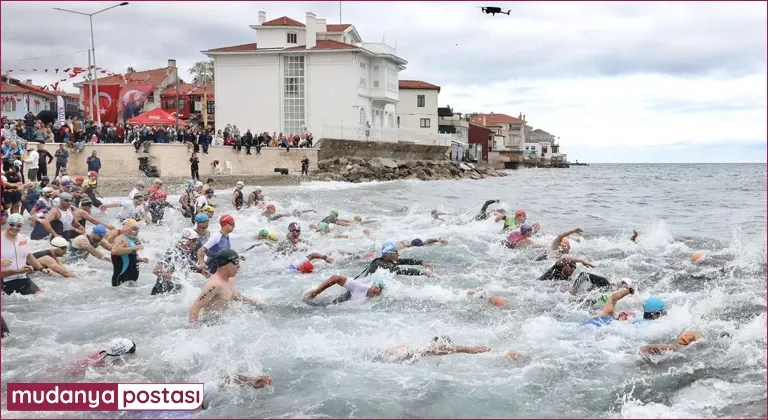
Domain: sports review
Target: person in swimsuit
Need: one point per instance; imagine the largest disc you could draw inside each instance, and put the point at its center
(201, 229)
(682, 342)
(608, 314)
(85, 245)
(255, 198)
(440, 346)
(305, 266)
(324, 229)
(483, 215)
(158, 201)
(176, 258)
(125, 260)
(51, 258)
(419, 243)
(137, 189)
(60, 220)
(237, 196)
(219, 291)
(513, 223)
(292, 240)
(356, 290)
(333, 218)
(203, 200)
(187, 200)
(270, 212)
(390, 261)
(38, 212)
(218, 242)
(83, 214)
(90, 189)
(521, 238)
(134, 208)
(17, 260)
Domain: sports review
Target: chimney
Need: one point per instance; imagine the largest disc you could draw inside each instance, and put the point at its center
(311, 30)
(130, 70)
(520, 116)
(523, 117)
(29, 81)
(262, 17)
(322, 25)
(172, 63)
(484, 122)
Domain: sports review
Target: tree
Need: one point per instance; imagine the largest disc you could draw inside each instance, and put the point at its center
(202, 72)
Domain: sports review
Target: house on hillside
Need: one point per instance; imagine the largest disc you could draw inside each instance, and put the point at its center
(19, 97)
(308, 75)
(190, 101)
(457, 125)
(506, 150)
(418, 105)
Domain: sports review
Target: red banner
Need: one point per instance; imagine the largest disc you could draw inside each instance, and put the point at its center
(107, 103)
(132, 97)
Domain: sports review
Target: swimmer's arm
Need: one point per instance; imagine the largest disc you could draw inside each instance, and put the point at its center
(82, 242)
(409, 261)
(316, 256)
(31, 260)
(610, 307)
(658, 348)
(569, 259)
(560, 237)
(48, 219)
(340, 222)
(445, 350)
(233, 199)
(335, 279)
(256, 383)
(431, 241)
(201, 257)
(240, 298)
(112, 205)
(78, 227)
(485, 206)
(202, 301)
(106, 245)
(120, 247)
(93, 220)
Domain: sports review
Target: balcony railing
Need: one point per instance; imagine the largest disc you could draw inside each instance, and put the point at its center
(378, 48)
(344, 132)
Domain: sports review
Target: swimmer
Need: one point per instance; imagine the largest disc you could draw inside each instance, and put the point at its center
(359, 220)
(237, 196)
(389, 261)
(356, 290)
(440, 346)
(521, 238)
(324, 229)
(134, 208)
(606, 315)
(125, 260)
(266, 235)
(333, 218)
(436, 215)
(220, 288)
(17, 260)
(177, 258)
(115, 350)
(187, 200)
(208, 211)
(483, 215)
(653, 309)
(203, 200)
(51, 258)
(138, 188)
(560, 246)
(513, 223)
(219, 241)
(564, 268)
(85, 245)
(209, 183)
(305, 266)
(682, 342)
(418, 242)
(292, 240)
(60, 220)
(270, 212)
(480, 293)
(83, 214)
(255, 197)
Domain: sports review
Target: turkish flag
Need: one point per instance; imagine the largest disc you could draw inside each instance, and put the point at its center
(107, 103)
(132, 99)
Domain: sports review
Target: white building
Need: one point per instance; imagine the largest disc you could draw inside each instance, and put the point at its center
(309, 76)
(418, 105)
(22, 97)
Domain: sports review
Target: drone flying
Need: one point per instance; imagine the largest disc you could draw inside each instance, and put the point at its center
(494, 10)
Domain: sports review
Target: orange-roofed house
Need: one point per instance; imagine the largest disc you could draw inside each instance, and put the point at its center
(506, 150)
(418, 105)
(311, 75)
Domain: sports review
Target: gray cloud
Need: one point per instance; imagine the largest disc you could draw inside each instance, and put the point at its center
(445, 43)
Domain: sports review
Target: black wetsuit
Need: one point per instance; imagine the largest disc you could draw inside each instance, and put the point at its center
(6, 331)
(556, 273)
(393, 267)
(272, 217)
(484, 211)
(238, 199)
(330, 219)
(90, 192)
(43, 253)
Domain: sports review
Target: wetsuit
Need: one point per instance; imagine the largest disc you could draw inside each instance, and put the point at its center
(509, 224)
(89, 188)
(215, 244)
(393, 267)
(484, 210)
(125, 267)
(43, 253)
(271, 217)
(6, 331)
(187, 207)
(256, 199)
(42, 207)
(556, 273)
(32, 196)
(330, 219)
(74, 254)
(238, 199)
(63, 225)
(595, 281)
(171, 260)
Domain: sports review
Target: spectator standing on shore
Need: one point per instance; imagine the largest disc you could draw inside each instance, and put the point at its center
(194, 167)
(205, 141)
(32, 162)
(305, 166)
(94, 163)
(29, 122)
(62, 155)
(42, 164)
(248, 141)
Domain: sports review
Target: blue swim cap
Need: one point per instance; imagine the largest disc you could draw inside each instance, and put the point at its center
(388, 248)
(417, 242)
(380, 283)
(99, 230)
(526, 229)
(201, 218)
(653, 304)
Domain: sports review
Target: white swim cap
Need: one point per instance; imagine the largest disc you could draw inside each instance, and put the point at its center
(120, 347)
(240, 184)
(198, 184)
(46, 190)
(189, 233)
(627, 281)
(59, 242)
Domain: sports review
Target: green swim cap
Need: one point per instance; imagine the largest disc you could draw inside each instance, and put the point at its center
(323, 226)
(358, 218)
(335, 212)
(605, 297)
(264, 233)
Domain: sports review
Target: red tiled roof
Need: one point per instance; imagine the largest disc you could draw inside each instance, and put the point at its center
(189, 89)
(236, 48)
(337, 28)
(17, 86)
(417, 84)
(149, 77)
(284, 21)
(326, 44)
(496, 119)
(8, 88)
(68, 95)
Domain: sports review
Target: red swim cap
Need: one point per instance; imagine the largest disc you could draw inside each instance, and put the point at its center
(226, 219)
(306, 267)
(520, 213)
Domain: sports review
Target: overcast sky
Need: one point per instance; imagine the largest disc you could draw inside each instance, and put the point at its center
(617, 82)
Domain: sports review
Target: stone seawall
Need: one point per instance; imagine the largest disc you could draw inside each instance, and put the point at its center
(356, 169)
(332, 148)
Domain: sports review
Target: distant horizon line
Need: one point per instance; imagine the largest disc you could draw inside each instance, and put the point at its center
(670, 163)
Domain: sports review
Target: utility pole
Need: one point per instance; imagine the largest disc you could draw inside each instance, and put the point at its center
(339, 13)
(176, 77)
(90, 87)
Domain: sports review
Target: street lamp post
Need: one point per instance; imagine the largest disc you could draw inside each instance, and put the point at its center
(93, 49)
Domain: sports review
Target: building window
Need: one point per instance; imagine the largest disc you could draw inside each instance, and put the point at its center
(375, 83)
(375, 68)
(362, 65)
(181, 104)
(544, 150)
(515, 127)
(291, 38)
(398, 121)
(421, 101)
(363, 82)
(498, 132)
(363, 118)
(9, 106)
(293, 94)
(424, 123)
(211, 107)
(170, 104)
(391, 120)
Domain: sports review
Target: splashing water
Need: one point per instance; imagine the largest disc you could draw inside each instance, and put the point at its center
(322, 360)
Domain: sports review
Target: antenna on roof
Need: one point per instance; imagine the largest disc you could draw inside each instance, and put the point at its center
(339, 13)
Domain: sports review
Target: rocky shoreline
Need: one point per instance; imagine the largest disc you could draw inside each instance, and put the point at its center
(355, 169)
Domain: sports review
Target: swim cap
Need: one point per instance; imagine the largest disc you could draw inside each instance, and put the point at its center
(688, 337)
(417, 242)
(388, 248)
(45, 178)
(297, 213)
(99, 230)
(93, 173)
(75, 188)
(59, 242)
(627, 281)
(120, 347)
(653, 304)
(271, 207)
(335, 212)
(605, 297)
(210, 181)
(294, 227)
(225, 257)
(497, 301)
(520, 213)
(526, 229)
(66, 183)
(129, 224)
(264, 233)
(208, 209)
(380, 283)
(201, 218)
(66, 178)
(322, 226)
(209, 191)
(697, 256)
(305, 267)
(157, 181)
(240, 184)
(198, 184)
(86, 202)
(358, 219)
(79, 179)
(65, 196)
(188, 233)
(56, 202)
(226, 220)
(16, 219)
